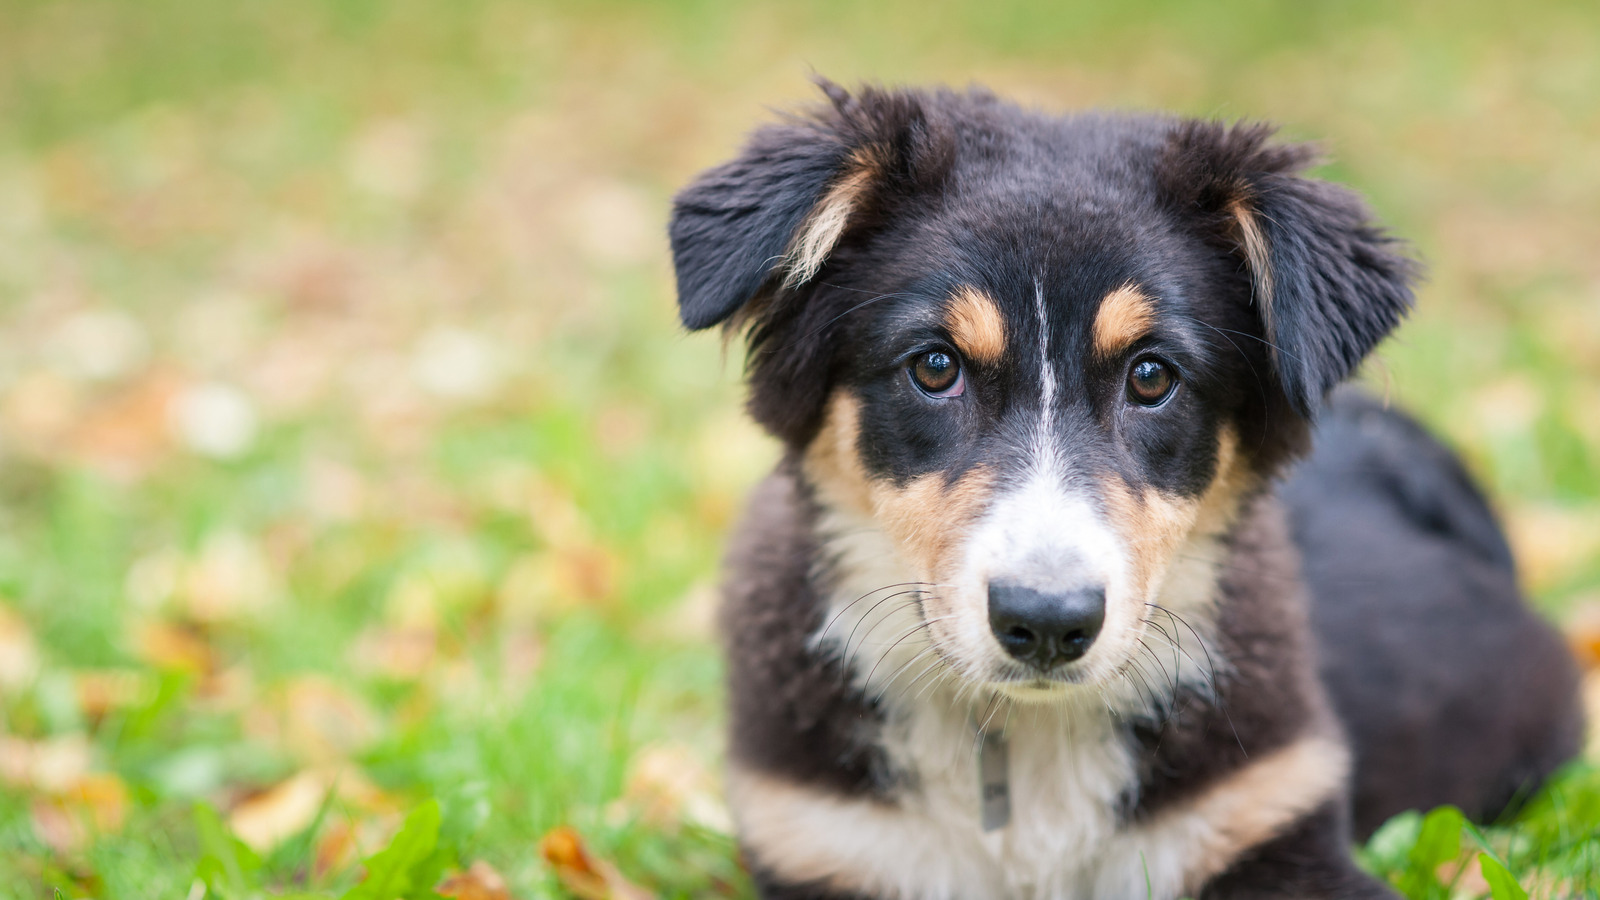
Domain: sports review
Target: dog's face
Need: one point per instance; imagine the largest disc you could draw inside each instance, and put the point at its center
(1041, 359)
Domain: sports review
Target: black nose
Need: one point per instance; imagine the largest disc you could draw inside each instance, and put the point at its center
(1045, 629)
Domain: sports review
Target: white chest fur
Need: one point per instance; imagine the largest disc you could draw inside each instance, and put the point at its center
(1071, 768)
(1069, 771)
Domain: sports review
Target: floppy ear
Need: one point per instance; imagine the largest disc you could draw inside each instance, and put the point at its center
(778, 209)
(740, 223)
(770, 217)
(1329, 284)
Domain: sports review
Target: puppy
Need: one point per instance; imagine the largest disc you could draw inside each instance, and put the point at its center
(1022, 611)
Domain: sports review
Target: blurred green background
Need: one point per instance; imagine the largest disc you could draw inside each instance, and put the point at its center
(351, 456)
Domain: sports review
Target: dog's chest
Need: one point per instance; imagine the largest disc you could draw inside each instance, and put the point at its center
(1067, 776)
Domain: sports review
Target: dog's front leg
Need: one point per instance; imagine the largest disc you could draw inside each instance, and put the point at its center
(1309, 862)
(769, 887)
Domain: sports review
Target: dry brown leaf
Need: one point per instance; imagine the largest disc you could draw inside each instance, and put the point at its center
(169, 646)
(402, 653)
(335, 848)
(69, 819)
(53, 765)
(581, 873)
(56, 827)
(1552, 543)
(1583, 631)
(102, 691)
(540, 585)
(265, 819)
(19, 656)
(39, 410)
(102, 798)
(323, 721)
(229, 579)
(279, 812)
(126, 434)
(479, 882)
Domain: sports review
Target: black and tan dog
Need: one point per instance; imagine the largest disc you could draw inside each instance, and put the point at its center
(1023, 611)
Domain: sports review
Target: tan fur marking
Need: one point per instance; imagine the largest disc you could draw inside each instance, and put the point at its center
(974, 322)
(803, 834)
(924, 517)
(1252, 806)
(1256, 253)
(832, 462)
(1156, 524)
(821, 232)
(1125, 315)
(809, 836)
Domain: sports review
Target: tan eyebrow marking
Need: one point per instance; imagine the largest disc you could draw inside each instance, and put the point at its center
(1125, 315)
(974, 321)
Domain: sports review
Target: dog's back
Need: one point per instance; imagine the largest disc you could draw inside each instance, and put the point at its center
(1451, 689)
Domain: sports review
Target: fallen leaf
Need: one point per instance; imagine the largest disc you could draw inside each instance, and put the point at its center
(68, 820)
(229, 579)
(1552, 543)
(19, 655)
(56, 827)
(323, 721)
(335, 849)
(402, 653)
(269, 818)
(581, 873)
(38, 411)
(52, 766)
(563, 579)
(125, 434)
(1583, 631)
(102, 797)
(103, 691)
(165, 645)
(479, 882)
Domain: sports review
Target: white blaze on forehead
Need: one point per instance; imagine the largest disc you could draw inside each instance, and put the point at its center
(1045, 534)
(1047, 537)
(1047, 384)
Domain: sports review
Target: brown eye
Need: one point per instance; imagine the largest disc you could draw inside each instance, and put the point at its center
(1150, 381)
(938, 374)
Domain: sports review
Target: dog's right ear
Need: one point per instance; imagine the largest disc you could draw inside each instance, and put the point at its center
(774, 212)
(769, 218)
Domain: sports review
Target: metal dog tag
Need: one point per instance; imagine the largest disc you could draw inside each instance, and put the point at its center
(994, 782)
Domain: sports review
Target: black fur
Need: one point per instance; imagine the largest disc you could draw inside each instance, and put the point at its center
(793, 712)
(1452, 690)
(1309, 862)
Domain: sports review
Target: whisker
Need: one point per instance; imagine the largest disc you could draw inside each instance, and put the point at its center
(842, 610)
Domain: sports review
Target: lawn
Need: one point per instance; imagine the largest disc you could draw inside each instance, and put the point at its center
(358, 489)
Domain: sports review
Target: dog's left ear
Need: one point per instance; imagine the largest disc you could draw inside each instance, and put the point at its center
(1329, 284)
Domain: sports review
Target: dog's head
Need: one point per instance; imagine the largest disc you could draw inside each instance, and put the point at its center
(1038, 356)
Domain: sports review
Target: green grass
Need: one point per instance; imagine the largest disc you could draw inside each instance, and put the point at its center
(458, 542)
